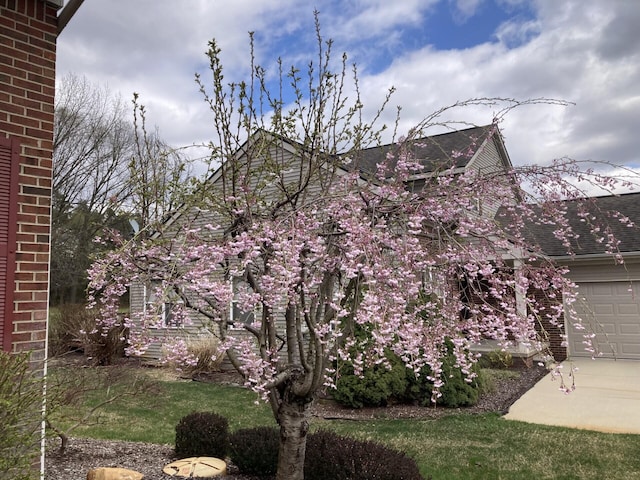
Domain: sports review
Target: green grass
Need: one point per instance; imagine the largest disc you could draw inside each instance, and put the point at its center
(489, 447)
(152, 417)
(454, 447)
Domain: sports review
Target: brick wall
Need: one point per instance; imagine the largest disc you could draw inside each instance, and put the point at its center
(28, 32)
(552, 334)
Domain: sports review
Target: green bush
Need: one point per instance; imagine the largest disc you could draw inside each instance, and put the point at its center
(377, 387)
(456, 391)
(380, 386)
(255, 450)
(20, 417)
(202, 434)
(342, 458)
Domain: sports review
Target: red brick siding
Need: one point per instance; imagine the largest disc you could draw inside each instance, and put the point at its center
(552, 334)
(28, 31)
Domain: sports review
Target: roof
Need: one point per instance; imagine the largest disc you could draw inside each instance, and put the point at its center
(606, 212)
(446, 150)
(436, 152)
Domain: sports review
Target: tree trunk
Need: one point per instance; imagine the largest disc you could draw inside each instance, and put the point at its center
(293, 417)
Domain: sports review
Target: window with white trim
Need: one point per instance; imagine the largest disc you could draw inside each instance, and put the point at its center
(163, 310)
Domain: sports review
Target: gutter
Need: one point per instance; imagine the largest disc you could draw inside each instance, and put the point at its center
(67, 13)
(593, 256)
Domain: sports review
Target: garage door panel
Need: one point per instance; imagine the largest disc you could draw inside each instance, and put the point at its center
(629, 329)
(628, 309)
(604, 309)
(610, 311)
(625, 289)
(608, 328)
(601, 290)
(630, 350)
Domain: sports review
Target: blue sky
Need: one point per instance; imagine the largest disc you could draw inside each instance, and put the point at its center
(434, 52)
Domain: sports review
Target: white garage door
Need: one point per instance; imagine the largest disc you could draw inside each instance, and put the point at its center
(612, 312)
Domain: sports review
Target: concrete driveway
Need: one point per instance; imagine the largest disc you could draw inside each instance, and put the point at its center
(606, 398)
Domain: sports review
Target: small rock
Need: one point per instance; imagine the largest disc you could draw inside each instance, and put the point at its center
(113, 474)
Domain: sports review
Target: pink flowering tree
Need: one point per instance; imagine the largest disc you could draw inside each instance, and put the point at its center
(294, 227)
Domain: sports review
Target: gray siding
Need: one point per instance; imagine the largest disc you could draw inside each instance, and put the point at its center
(488, 162)
(270, 187)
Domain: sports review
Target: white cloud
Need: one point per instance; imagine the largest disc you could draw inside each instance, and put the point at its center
(564, 60)
(465, 9)
(583, 51)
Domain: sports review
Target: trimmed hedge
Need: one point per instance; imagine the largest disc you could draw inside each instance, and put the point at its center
(255, 450)
(333, 456)
(202, 434)
(328, 456)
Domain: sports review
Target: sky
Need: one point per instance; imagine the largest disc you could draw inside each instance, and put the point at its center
(433, 52)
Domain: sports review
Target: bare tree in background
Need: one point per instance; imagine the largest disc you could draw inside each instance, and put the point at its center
(108, 170)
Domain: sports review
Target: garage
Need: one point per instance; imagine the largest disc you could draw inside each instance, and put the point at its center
(610, 310)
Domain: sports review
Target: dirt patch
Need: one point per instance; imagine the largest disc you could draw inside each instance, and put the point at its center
(85, 454)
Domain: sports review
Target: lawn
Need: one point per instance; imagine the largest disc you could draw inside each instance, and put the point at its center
(459, 446)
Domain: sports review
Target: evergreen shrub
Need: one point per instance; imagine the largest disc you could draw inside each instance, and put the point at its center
(377, 387)
(381, 386)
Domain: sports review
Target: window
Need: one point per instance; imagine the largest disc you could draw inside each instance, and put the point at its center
(237, 316)
(165, 310)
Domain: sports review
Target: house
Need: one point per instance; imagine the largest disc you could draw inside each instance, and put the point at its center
(28, 36)
(475, 149)
(609, 296)
(607, 307)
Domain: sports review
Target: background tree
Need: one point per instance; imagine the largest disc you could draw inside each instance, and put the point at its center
(339, 264)
(159, 175)
(108, 170)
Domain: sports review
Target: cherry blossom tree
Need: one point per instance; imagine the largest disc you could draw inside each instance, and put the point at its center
(336, 260)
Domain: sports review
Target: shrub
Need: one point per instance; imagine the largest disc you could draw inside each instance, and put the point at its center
(65, 326)
(194, 356)
(20, 416)
(72, 327)
(456, 390)
(377, 387)
(497, 359)
(202, 434)
(342, 458)
(255, 450)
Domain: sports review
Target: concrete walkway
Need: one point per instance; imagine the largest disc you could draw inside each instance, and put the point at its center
(606, 398)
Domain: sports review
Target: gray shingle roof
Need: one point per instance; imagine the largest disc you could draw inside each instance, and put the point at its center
(435, 152)
(603, 209)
